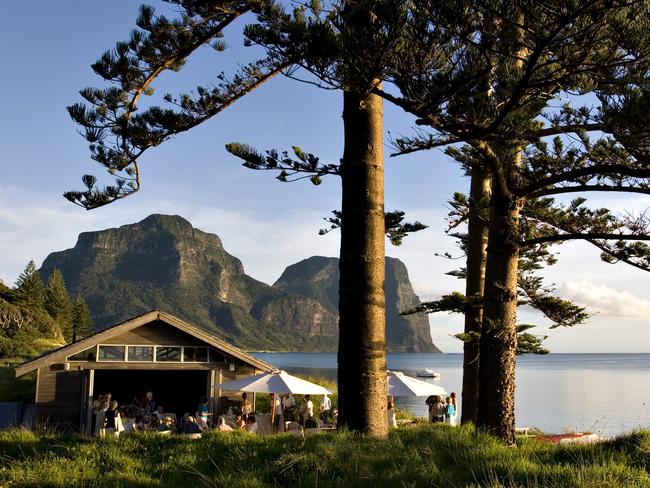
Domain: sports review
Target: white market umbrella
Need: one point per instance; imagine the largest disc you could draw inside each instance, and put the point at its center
(275, 381)
(398, 384)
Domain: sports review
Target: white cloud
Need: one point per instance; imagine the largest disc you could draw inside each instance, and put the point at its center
(605, 300)
(33, 226)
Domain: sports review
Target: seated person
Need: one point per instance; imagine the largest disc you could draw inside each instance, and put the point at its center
(190, 426)
(223, 426)
(159, 412)
(292, 426)
(166, 425)
(251, 424)
(240, 423)
(154, 423)
(335, 416)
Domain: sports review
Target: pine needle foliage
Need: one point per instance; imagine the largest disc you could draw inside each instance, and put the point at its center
(57, 300)
(29, 289)
(81, 320)
(118, 130)
(492, 87)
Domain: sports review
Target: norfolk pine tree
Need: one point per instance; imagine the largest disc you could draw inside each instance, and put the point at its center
(541, 52)
(348, 48)
(118, 138)
(81, 321)
(29, 289)
(57, 303)
(167, 125)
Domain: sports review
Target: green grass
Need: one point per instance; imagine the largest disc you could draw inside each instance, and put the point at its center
(21, 389)
(14, 389)
(425, 455)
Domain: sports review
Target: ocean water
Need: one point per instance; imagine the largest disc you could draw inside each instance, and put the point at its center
(607, 394)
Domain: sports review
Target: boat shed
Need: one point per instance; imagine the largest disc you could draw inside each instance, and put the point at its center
(179, 363)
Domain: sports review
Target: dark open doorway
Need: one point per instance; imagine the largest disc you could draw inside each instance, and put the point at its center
(177, 391)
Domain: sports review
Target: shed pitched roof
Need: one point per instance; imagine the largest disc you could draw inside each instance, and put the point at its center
(98, 337)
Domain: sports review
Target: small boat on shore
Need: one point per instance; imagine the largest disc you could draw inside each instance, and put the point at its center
(427, 373)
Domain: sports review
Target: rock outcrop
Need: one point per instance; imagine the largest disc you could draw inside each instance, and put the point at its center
(318, 278)
(164, 263)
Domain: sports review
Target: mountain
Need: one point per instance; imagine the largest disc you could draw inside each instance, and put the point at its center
(318, 278)
(164, 263)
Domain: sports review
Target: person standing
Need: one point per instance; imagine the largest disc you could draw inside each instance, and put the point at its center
(289, 408)
(306, 410)
(277, 414)
(100, 420)
(439, 408)
(430, 402)
(110, 426)
(246, 406)
(392, 420)
(149, 403)
(450, 412)
(202, 413)
(453, 401)
(325, 408)
(96, 407)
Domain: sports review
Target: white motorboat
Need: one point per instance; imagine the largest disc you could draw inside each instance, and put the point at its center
(427, 373)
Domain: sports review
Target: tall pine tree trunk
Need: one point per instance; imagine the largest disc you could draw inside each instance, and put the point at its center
(498, 344)
(362, 322)
(477, 239)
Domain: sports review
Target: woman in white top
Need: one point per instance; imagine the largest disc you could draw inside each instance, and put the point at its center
(251, 424)
(392, 421)
(289, 407)
(306, 410)
(277, 414)
(325, 407)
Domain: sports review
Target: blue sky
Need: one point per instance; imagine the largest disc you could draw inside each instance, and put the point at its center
(47, 49)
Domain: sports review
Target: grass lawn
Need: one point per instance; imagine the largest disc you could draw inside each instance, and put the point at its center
(14, 389)
(424, 455)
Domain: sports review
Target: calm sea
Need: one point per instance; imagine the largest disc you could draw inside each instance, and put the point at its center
(603, 393)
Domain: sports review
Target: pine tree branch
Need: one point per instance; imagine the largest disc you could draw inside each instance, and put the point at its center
(161, 45)
(588, 188)
(586, 237)
(594, 170)
(611, 255)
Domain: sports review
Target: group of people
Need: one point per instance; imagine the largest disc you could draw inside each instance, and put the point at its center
(285, 409)
(442, 411)
(107, 417)
(143, 415)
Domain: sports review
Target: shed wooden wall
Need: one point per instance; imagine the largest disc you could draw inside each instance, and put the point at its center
(59, 396)
(156, 333)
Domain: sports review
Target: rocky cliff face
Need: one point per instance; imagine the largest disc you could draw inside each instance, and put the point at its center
(318, 278)
(164, 263)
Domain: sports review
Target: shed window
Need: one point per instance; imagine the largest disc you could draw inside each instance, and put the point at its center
(166, 353)
(140, 353)
(85, 355)
(111, 353)
(195, 354)
(217, 356)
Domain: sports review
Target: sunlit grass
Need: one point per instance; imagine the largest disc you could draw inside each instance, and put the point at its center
(423, 455)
